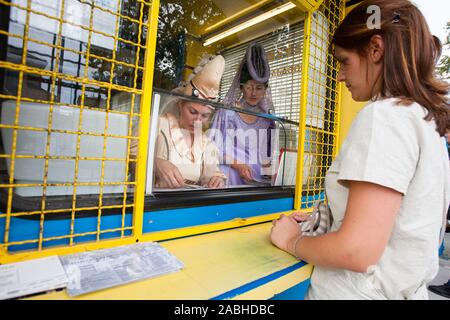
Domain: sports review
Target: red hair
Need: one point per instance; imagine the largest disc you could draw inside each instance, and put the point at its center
(411, 53)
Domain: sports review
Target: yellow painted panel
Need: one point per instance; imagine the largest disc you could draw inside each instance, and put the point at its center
(349, 110)
(215, 263)
(307, 5)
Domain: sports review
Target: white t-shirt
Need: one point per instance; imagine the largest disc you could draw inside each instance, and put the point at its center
(393, 146)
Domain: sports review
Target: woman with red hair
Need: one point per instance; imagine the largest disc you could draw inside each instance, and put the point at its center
(388, 189)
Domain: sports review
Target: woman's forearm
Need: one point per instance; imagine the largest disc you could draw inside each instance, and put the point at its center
(328, 250)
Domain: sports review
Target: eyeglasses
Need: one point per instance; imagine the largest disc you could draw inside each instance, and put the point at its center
(256, 87)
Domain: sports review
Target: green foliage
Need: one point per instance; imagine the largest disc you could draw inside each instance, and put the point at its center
(177, 21)
(443, 68)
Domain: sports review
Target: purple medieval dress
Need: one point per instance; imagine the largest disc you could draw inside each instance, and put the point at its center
(237, 140)
(246, 143)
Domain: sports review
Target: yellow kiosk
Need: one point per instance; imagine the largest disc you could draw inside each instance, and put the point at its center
(80, 80)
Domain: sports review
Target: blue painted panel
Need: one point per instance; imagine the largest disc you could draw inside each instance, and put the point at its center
(258, 283)
(22, 229)
(187, 217)
(296, 292)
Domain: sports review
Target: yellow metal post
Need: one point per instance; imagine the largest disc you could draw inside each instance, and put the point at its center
(146, 99)
(303, 106)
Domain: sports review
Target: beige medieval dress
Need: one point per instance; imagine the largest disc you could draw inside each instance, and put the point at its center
(197, 163)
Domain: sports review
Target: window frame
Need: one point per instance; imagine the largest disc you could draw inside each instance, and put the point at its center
(185, 198)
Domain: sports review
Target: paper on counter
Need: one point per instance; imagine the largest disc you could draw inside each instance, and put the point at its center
(101, 269)
(32, 276)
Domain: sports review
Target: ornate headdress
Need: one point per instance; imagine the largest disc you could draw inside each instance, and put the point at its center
(254, 66)
(202, 83)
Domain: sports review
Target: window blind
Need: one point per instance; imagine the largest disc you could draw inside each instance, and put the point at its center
(284, 48)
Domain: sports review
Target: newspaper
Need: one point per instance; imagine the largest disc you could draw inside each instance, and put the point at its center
(30, 277)
(106, 268)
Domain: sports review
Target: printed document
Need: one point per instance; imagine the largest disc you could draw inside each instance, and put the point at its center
(100, 269)
(32, 276)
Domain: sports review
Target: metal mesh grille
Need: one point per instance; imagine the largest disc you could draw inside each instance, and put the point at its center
(320, 102)
(72, 81)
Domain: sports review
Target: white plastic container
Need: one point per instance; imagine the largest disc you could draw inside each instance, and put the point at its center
(31, 142)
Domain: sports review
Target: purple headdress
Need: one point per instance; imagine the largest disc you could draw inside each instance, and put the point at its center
(254, 65)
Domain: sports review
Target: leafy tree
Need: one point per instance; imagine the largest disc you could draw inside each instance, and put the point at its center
(444, 66)
(178, 22)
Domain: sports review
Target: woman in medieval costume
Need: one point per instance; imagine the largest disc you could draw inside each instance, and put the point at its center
(184, 155)
(246, 162)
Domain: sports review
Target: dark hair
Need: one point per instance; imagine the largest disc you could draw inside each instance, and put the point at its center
(245, 75)
(411, 53)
